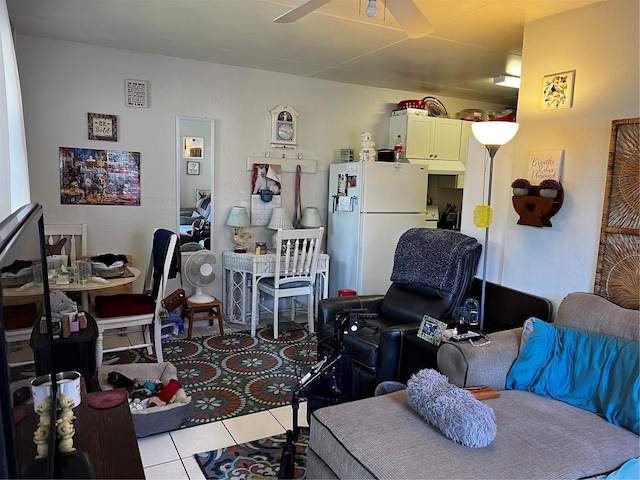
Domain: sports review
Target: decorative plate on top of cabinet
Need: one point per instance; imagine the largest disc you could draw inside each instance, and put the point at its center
(435, 107)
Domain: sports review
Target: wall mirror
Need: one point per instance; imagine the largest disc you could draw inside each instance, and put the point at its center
(194, 140)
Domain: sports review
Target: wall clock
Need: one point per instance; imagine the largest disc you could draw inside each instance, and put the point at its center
(102, 127)
(284, 127)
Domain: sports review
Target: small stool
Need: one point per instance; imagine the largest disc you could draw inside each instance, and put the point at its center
(212, 309)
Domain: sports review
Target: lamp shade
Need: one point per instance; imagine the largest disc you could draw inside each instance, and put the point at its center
(280, 219)
(494, 133)
(238, 217)
(311, 218)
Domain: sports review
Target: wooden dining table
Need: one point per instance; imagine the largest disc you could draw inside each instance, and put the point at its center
(131, 275)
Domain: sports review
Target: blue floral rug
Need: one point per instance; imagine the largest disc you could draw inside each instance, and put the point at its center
(234, 374)
(253, 460)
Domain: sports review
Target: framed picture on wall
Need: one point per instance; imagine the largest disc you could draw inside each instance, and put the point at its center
(557, 91)
(102, 127)
(193, 168)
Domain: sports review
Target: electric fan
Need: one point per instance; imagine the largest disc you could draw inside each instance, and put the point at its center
(203, 269)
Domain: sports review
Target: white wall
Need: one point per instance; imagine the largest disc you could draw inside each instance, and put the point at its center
(62, 81)
(600, 42)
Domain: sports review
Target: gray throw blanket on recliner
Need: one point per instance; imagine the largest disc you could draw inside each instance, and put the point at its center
(436, 258)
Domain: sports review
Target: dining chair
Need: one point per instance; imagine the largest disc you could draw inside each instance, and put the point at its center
(132, 309)
(75, 235)
(75, 245)
(295, 273)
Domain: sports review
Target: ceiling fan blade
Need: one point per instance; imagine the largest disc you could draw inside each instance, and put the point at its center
(410, 18)
(300, 11)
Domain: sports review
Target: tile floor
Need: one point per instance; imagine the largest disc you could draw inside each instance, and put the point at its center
(171, 455)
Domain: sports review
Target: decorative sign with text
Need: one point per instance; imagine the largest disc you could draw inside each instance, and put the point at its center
(545, 164)
(136, 93)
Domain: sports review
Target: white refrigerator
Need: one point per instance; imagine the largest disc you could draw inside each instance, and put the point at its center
(371, 204)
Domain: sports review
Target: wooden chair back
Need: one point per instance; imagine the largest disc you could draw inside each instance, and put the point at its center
(76, 236)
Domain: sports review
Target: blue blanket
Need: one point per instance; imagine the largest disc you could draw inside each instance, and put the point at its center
(591, 371)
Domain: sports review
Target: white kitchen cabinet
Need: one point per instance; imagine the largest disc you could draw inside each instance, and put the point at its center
(457, 181)
(428, 138)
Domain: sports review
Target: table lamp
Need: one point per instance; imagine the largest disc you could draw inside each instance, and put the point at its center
(238, 218)
(311, 218)
(492, 135)
(279, 219)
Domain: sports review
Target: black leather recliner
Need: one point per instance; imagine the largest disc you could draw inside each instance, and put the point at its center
(376, 349)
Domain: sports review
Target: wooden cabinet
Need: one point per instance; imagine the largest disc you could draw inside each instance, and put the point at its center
(428, 138)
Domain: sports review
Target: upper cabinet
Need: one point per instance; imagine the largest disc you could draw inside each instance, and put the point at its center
(457, 181)
(445, 144)
(431, 141)
(427, 137)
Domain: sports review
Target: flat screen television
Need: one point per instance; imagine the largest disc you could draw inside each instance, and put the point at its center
(22, 245)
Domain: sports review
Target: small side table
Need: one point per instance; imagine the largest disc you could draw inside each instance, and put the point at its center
(417, 355)
(213, 311)
(77, 352)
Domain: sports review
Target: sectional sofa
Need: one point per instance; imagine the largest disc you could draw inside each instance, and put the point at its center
(575, 424)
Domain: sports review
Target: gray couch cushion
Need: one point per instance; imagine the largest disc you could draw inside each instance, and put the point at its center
(537, 438)
(597, 314)
(469, 366)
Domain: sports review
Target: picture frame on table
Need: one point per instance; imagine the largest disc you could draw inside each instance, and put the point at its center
(193, 168)
(431, 330)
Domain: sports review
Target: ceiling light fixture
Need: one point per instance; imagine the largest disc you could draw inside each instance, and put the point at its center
(507, 81)
(372, 9)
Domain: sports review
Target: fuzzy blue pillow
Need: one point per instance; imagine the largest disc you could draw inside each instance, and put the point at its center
(452, 410)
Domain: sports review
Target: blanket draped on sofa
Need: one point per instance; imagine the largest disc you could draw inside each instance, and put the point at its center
(444, 264)
(592, 371)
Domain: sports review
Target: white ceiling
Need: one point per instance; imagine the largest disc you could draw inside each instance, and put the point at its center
(472, 41)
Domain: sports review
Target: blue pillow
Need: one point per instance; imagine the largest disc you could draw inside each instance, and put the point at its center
(628, 471)
(592, 371)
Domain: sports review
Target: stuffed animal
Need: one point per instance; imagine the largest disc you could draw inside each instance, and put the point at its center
(139, 395)
(166, 394)
(119, 380)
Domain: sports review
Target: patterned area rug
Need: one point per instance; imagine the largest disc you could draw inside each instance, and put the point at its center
(234, 374)
(229, 375)
(253, 460)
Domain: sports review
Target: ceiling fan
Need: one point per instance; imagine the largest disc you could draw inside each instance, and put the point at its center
(406, 13)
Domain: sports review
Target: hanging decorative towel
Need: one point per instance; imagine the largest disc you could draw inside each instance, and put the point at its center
(297, 210)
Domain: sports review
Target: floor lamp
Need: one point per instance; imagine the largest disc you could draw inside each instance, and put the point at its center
(492, 135)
